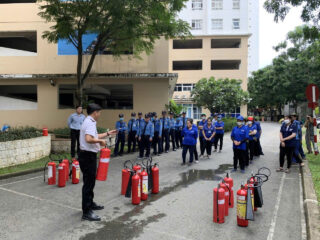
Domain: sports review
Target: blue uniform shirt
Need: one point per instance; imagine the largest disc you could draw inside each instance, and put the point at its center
(219, 124)
(287, 131)
(133, 125)
(240, 134)
(208, 131)
(157, 126)
(190, 136)
(252, 128)
(172, 123)
(258, 128)
(178, 125)
(165, 123)
(184, 121)
(202, 123)
(75, 121)
(297, 123)
(146, 129)
(121, 126)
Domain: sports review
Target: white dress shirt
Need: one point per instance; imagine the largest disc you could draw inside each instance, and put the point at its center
(89, 127)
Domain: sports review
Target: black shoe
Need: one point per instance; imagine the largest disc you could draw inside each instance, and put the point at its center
(189, 164)
(261, 153)
(174, 150)
(120, 154)
(97, 207)
(90, 216)
(182, 164)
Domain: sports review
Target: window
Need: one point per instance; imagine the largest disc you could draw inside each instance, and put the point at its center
(225, 43)
(236, 23)
(236, 4)
(187, 65)
(187, 44)
(197, 5)
(196, 112)
(184, 87)
(187, 87)
(178, 88)
(107, 96)
(17, 1)
(196, 24)
(217, 4)
(216, 24)
(225, 64)
(18, 97)
(18, 43)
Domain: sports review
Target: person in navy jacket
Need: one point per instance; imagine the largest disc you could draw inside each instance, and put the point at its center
(219, 125)
(208, 133)
(146, 133)
(132, 132)
(190, 135)
(121, 128)
(239, 136)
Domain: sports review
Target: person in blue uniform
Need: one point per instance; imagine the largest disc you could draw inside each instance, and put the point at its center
(219, 125)
(146, 133)
(208, 133)
(288, 132)
(165, 132)
(298, 141)
(239, 136)
(190, 135)
(121, 128)
(201, 138)
(184, 124)
(253, 132)
(156, 142)
(132, 132)
(258, 148)
(178, 130)
(139, 122)
(172, 123)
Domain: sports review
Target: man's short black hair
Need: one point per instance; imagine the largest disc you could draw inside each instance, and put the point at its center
(78, 106)
(92, 107)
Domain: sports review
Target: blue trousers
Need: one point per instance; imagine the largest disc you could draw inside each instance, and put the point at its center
(185, 150)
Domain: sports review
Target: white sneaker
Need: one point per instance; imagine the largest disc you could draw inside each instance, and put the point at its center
(197, 161)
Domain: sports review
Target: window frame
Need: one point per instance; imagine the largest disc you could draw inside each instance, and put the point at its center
(235, 20)
(195, 22)
(195, 5)
(236, 4)
(217, 20)
(217, 4)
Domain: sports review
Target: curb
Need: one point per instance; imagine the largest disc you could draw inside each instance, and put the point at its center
(311, 204)
(10, 175)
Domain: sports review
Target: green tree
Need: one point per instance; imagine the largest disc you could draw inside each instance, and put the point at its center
(119, 24)
(222, 95)
(174, 107)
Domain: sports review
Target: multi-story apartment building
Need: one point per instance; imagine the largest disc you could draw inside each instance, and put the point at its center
(225, 45)
(37, 79)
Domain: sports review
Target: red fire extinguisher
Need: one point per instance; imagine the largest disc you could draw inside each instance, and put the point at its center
(66, 162)
(137, 168)
(229, 181)
(102, 172)
(242, 207)
(252, 184)
(125, 177)
(225, 187)
(51, 173)
(75, 172)
(155, 178)
(62, 174)
(218, 204)
(144, 185)
(136, 189)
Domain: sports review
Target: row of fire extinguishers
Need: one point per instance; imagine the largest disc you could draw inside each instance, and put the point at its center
(139, 179)
(74, 174)
(249, 197)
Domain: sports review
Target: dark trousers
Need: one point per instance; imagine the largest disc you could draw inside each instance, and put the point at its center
(165, 140)
(258, 148)
(132, 140)
(145, 145)
(74, 135)
(185, 150)
(178, 138)
(88, 166)
(239, 156)
(202, 145)
(251, 148)
(156, 143)
(196, 157)
(218, 137)
(172, 138)
(286, 151)
(208, 147)
(120, 140)
(296, 153)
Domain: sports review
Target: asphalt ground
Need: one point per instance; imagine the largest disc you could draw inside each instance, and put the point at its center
(31, 209)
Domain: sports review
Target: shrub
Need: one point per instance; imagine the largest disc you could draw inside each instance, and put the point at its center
(65, 132)
(229, 123)
(19, 134)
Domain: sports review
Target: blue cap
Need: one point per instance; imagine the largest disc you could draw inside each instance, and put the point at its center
(240, 118)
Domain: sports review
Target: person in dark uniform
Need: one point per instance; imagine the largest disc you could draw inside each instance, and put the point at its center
(172, 123)
(253, 132)
(190, 135)
(201, 138)
(132, 132)
(184, 124)
(156, 142)
(178, 129)
(258, 145)
(165, 132)
(208, 133)
(90, 143)
(219, 125)
(146, 133)
(139, 121)
(121, 127)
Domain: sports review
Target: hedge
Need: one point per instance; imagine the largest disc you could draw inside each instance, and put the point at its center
(65, 132)
(20, 134)
(229, 123)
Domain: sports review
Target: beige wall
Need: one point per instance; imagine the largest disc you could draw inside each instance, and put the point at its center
(148, 95)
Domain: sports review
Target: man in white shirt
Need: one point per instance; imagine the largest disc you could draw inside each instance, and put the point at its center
(90, 143)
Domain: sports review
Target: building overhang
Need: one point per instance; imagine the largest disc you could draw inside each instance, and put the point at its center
(223, 35)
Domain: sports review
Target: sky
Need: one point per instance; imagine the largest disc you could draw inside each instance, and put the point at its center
(272, 33)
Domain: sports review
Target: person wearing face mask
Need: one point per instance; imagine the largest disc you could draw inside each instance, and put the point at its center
(258, 148)
(146, 133)
(239, 136)
(132, 132)
(201, 138)
(121, 128)
(165, 133)
(252, 128)
(288, 132)
(190, 135)
(156, 142)
(208, 133)
(139, 122)
(219, 125)
(296, 153)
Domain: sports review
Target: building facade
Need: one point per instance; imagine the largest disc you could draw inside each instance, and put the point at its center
(225, 45)
(37, 79)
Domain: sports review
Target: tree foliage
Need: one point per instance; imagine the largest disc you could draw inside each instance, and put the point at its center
(174, 107)
(222, 95)
(119, 24)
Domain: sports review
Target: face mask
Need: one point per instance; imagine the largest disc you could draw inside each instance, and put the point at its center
(239, 123)
(287, 121)
(249, 122)
(133, 118)
(121, 119)
(219, 119)
(203, 118)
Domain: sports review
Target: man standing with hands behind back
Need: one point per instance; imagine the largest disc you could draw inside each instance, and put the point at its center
(90, 143)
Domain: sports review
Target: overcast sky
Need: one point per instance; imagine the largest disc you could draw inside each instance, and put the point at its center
(272, 33)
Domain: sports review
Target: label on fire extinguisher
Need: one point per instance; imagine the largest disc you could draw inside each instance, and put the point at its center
(241, 207)
(139, 189)
(104, 160)
(50, 172)
(145, 184)
(227, 193)
(77, 173)
(221, 202)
